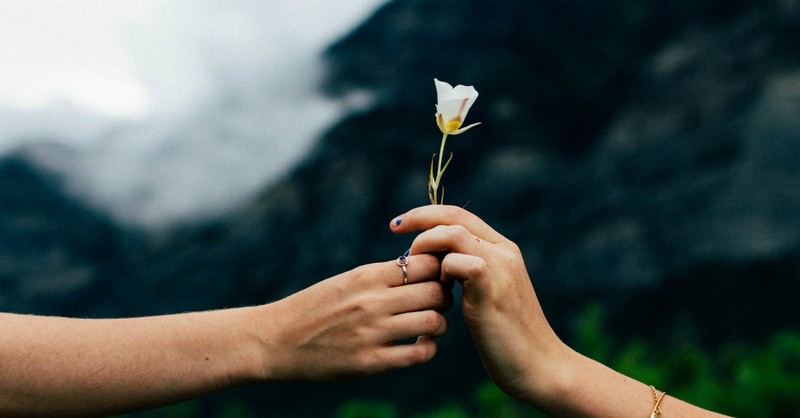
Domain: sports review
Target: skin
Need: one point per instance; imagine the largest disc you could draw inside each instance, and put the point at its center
(341, 328)
(519, 349)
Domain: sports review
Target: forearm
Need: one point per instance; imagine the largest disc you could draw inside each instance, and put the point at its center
(62, 366)
(585, 388)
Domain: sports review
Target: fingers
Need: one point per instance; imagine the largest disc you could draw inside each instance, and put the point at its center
(420, 296)
(406, 355)
(421, 290)
(449, 238)
(464, 267)
(427, 324)
(418, 268)
(413, 324)
(428, 217)
(472, 272)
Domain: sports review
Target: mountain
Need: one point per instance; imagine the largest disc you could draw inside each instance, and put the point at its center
(643, 154)
(627, 148)
(55, 253)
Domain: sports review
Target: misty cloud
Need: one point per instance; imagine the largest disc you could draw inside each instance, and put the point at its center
(169, 110)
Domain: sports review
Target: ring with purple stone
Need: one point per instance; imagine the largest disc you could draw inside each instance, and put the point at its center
(402, 261)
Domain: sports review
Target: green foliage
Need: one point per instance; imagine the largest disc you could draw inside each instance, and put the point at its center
(765, 383)
(451, 410)
(180, 410)
(488, 401)
(738, 380)
(367, 409)
(236, 409)
(492, 402)
(589, 335)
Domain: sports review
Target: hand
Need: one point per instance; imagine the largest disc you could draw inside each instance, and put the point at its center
(341, 327)
(500, 306)
(345, 326)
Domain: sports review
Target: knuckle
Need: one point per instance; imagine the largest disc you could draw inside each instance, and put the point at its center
(429, 265)
(367, 363)
(442, 328)
(476, 267)
(451, 230)
(510, 253)
(360, 274)
(433, 294)
(453, 212)
(433, 323)
(420, 353)
(514, 248)
(459, 230)
(434, 291)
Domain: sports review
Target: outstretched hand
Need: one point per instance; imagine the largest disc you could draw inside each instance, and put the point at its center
(518, 347)
(499, 303)
(346, 326)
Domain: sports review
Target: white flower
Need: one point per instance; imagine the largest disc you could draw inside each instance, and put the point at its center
(452, 105)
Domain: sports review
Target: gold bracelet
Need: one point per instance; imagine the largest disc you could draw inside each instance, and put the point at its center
(656, 402)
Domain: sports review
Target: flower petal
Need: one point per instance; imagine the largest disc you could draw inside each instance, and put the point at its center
(443, 89)
(464, 129)
(449, 109)
(440, 122)
(454, 102)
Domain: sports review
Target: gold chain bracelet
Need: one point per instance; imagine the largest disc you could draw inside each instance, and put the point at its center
(656, 402)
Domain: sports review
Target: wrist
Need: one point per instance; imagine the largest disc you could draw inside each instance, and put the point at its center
(580, 386)
(260, 359)
(274, 355)
(557, 382)
(553, 375)
(246, 341)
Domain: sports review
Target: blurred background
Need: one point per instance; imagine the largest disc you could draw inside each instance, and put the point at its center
(164, 156)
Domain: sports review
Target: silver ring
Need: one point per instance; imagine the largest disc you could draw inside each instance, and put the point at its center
(402, 261)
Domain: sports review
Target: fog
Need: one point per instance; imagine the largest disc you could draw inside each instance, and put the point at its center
(164, 111)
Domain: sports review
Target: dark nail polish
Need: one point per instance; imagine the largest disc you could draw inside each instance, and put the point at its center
(398, 221)
(405, 254)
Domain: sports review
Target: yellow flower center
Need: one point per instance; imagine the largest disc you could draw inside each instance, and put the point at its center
(453, 125)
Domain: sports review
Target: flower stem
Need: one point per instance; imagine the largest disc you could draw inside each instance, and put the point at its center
(439, 171)
(441, 153)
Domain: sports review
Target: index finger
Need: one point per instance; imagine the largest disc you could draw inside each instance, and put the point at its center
(427, 217)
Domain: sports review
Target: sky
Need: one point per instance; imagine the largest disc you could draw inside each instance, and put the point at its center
(165, 111)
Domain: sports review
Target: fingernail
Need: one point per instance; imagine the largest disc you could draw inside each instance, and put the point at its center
(405, 254)
(398, 221)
